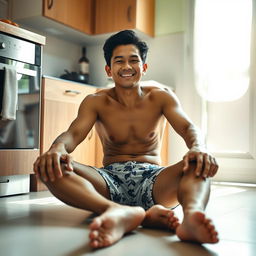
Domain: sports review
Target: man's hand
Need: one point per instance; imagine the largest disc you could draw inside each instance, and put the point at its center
(206, 165)
(48, 165)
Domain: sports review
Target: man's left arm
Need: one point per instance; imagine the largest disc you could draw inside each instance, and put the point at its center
(206, 164)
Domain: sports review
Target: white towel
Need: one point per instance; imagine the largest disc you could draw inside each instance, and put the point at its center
(10, 94)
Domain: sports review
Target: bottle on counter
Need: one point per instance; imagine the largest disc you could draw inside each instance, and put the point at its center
(84, 67)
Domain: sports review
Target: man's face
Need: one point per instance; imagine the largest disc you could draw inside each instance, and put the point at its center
(127, 67)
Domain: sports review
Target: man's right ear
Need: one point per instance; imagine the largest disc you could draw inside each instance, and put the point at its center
(108, 70)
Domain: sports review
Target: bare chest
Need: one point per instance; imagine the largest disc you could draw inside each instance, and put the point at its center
(129, 125)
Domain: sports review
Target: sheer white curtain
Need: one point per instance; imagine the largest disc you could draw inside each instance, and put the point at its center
(222, 42)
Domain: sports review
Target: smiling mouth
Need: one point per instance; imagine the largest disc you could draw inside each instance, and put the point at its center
(126, 75)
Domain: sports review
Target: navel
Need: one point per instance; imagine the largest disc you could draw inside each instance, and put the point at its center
(151, 134)
(112, 138)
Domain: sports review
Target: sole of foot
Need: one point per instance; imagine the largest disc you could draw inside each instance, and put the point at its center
(110, 227)
(196, 227)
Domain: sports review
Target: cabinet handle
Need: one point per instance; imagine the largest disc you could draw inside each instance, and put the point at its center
(129, 10)
(4, 181)
(50, 4)
(72, 92)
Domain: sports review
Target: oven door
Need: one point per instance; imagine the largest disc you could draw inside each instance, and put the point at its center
(22, 133)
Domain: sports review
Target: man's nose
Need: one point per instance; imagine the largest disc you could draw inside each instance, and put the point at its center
(127, 65)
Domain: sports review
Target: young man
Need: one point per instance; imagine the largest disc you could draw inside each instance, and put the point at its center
(132, 189)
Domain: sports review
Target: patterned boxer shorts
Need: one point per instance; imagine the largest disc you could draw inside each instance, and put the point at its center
(131, 183)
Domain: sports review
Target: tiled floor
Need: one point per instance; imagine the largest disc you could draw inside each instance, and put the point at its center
(38, 224)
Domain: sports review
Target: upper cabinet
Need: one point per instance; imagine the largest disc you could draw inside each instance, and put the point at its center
(76, 13)
(115, 15)
(85, 21)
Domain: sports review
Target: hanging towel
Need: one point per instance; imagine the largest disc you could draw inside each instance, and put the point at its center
(10, 94)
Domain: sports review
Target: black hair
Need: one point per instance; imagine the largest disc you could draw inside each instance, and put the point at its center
(123, 38)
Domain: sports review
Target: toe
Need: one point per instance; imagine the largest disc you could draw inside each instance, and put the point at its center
(170, 214)
(101, 241)
(94, 244)
(96, 223)
(94, 234)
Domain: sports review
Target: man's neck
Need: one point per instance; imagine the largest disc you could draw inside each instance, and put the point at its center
(128, 96)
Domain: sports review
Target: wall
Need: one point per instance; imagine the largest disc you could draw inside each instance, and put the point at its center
(169, 17)
(58, 54)
(3, 9)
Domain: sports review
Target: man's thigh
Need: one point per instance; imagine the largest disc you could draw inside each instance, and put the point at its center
(92, 175)
(165, 188)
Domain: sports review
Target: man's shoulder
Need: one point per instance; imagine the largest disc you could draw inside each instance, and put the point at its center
(98, 95)
(154, 86)
(157, 90)
(162, 95)
(103, 92)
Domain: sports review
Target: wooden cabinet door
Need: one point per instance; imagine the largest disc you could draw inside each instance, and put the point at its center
(114, 15)
(76, 13)
(145, 16)
(61, 101)
(165, 146)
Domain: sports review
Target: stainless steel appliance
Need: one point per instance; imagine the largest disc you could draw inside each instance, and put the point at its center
(21, 134)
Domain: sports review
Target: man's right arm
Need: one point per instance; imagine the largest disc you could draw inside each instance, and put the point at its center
(48, 165)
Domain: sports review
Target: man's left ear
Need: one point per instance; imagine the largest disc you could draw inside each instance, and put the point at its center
(108, 70)
(145, 67)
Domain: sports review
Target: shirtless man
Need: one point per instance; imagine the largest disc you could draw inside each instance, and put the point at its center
(132, 189)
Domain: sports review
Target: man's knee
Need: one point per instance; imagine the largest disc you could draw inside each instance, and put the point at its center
(192, 172)
(64, 174)
(191, 169)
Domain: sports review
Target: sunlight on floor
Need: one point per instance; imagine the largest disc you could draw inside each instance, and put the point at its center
(218, 191)
(41, 201)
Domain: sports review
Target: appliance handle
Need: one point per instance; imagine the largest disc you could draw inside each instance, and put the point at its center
(72, 92)
(22, 71)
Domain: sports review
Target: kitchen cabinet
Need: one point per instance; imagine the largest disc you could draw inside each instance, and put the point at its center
(115, 15)
(165, 146)
(60, 103)
(85, 21)
(76, 13)
(12, 162)
(62, 18)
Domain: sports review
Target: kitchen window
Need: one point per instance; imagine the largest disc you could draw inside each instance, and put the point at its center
(222, 63)
(222, 41)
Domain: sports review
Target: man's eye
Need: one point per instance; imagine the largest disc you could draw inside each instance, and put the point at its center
(134, 61)
(118, 61)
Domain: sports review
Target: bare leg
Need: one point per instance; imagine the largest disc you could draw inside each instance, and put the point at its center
(114, 220)
(171, 187)
(193, 194)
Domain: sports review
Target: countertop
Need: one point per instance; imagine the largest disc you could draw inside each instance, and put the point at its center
(148, 82)
(22, 33)
(69, 81)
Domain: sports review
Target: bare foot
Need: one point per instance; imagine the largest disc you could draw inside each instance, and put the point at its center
(109, 227)
(160, 217)
(197, 228)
